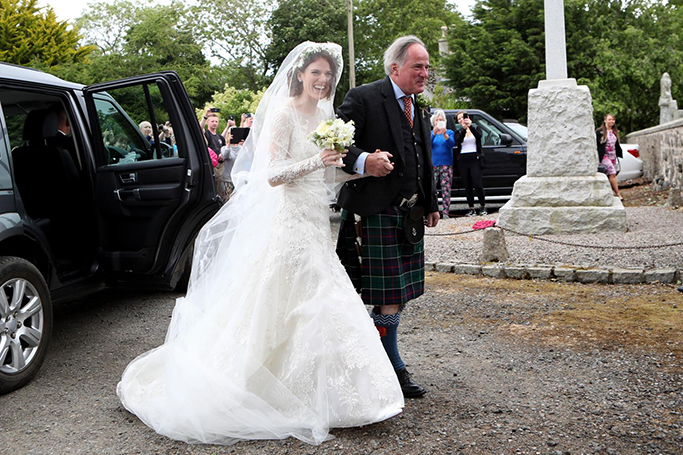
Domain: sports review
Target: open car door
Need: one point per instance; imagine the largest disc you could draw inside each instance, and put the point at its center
(154, 187)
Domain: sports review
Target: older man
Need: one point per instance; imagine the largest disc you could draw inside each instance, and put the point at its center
(397, 200)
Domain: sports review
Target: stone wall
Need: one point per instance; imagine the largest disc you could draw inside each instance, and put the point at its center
(661, 149)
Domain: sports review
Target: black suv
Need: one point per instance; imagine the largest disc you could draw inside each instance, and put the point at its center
(505, 153)
(88, 200)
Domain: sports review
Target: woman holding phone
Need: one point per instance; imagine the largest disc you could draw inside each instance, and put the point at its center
(442, 156)
(470, 158)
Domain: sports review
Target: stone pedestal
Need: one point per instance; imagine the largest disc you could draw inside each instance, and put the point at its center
(562, 191)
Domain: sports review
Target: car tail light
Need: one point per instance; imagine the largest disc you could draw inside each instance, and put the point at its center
(634, 152)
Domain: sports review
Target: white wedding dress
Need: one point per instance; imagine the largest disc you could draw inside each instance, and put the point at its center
(272, 340)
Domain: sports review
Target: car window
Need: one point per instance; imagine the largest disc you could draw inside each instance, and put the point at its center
(490, 134)
(134, 124)
(18, 104)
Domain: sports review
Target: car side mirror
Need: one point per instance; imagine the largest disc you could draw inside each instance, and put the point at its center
(505, 139)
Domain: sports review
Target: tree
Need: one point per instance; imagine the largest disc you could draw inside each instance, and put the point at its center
(380, 22)
(618, 48)
(497, 57)
(233, 102)
(30, 35)
(296, 21)
(236, 33)
(145, 40)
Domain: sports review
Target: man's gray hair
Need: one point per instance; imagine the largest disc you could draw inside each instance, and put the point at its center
(398, 51)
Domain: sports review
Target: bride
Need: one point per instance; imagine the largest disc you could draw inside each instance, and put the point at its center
(271, 340)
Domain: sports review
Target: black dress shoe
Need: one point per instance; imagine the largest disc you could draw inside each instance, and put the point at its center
(410, 388)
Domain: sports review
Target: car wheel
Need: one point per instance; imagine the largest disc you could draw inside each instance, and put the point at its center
(25, 322)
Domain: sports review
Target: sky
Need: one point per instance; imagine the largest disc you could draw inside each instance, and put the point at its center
(71, 9)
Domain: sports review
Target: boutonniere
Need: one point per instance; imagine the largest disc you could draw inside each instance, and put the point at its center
(424, 103)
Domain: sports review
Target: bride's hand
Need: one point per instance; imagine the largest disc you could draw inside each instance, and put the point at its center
(332, 158)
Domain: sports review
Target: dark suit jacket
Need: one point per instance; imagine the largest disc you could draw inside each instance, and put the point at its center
(375, 112)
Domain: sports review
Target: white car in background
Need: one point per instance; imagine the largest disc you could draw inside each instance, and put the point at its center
(631, 164)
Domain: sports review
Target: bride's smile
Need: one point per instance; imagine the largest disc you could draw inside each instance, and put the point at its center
(316, 79)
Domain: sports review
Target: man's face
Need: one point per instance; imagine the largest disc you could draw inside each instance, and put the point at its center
(146, 128)
(412, 76)
(212, 123)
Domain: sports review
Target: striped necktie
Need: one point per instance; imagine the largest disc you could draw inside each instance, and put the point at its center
(408, 111)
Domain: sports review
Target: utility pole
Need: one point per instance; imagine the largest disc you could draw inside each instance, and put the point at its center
(352, 58)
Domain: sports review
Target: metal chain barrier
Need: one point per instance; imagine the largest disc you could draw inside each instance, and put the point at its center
(559, 242)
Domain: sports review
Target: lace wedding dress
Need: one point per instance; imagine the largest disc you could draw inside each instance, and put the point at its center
(272, 340)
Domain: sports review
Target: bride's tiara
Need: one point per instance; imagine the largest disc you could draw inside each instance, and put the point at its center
(319, 48)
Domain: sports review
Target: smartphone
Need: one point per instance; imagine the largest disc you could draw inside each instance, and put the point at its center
(465, 115)
(238, 134)
(215, 109)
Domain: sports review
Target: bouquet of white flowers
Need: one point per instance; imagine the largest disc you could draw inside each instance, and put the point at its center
(333, 134)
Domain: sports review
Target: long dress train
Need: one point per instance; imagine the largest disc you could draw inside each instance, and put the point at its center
(274, 341)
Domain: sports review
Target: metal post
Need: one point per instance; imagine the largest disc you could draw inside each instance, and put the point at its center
(352, 58)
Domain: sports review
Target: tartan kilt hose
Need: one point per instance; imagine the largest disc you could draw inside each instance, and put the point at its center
(390, 271)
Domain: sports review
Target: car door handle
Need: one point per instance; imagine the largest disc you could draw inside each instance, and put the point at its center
(122, 194)
(132, 178)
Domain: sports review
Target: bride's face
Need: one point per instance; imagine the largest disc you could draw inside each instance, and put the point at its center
(316, 79)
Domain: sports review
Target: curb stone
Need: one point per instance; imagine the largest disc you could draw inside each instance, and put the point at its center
(539, 272)
(564, 274)
(661, 275)
(580, 274)
(518, 272)
(627, 276)
(494, 271)
(444, 267)
(467, 269)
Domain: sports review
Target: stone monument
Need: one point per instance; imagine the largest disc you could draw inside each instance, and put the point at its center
(562, 191)
(668, 107)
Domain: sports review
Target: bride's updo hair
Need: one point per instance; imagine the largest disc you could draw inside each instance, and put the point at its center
(308, 56)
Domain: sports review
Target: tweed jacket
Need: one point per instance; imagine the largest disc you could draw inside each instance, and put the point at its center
(375, 112)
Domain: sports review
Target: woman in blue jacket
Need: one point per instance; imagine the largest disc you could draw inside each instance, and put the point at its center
(442, 157)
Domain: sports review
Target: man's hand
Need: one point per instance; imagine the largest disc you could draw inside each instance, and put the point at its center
(432, 219)
(379, 164)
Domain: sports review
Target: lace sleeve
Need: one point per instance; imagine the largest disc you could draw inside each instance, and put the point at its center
(283, 169)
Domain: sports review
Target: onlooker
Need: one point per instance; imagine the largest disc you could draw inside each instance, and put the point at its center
(609, 149)
(443, 141)
(146, 130)
(216, 142)
(470, 158)
(229, 153)
(247, 120)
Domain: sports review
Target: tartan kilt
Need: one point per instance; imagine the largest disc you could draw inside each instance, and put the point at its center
(390, 270)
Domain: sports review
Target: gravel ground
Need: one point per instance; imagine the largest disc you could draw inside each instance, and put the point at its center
(505, 375)
(512, 366)
(647, 226)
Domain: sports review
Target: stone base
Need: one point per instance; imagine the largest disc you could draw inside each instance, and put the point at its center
(563, 220)
(584, 191)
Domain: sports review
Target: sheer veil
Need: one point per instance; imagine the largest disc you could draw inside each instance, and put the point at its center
(246, 221)
(271, 340)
